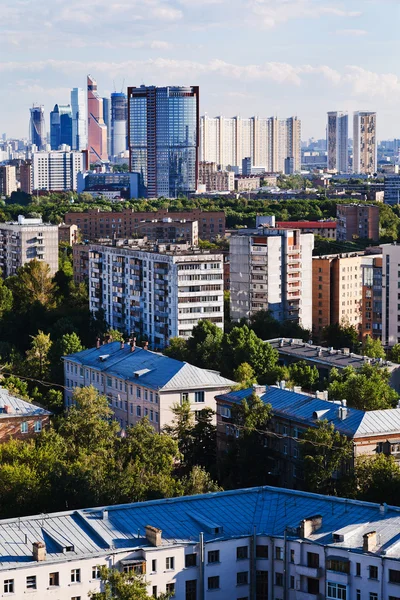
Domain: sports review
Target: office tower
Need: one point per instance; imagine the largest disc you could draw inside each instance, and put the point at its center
(97, 130)
(337, 142)
(61, 126)
(26, 240)
(365, 145)
(8, 181)
(119, 117)
(38, 127)
(107, 121)
(79, 119)
(164, 139)
(392, 189)
(156, 292)
(271, 269)
(57, 171)
(25, 176)
(357, 221)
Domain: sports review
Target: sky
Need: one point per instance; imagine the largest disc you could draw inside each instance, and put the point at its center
(249, 57)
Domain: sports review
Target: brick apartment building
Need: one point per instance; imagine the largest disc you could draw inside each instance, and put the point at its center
(95, 224)
(20, 419)
(357, 221)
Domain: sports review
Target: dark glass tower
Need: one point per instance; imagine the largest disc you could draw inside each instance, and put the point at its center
(163, 135)
(38, 127)
(60, 126)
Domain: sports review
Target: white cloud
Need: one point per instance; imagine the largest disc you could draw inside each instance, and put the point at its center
(271, 13)
(352, 32)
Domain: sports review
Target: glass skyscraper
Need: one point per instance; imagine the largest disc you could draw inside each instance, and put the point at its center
(38, 127)
(61, 126)
(79, 119)
(163, 135)
(118, 123)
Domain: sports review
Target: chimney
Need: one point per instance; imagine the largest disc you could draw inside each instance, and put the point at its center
(383, 508)
(98, 342)
(122, 345)
(133, 344)
(153, 535)
(369, 541)
(145, 345)
(104, 514)
(39, 551)
(310, 525)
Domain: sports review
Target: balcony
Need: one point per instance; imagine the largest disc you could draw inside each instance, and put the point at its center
(314, 572)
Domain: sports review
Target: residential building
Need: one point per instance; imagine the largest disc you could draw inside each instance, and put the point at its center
(61, 126)
(390, 294)
(338, 142)
(392, 189)
(293, 413)
(258, 543)
(371, 320)
(119, 123)
(325, 359)
(8, 181)
(97, 129)
(247, 183)
(57, 171)
(337, 290)
(139, 383)
(168, 230)
(214, 179)
(326, 229)
(156, 291)
(357, 221)
(365, 145)
(25, 176)
(80, 262)
(68, 233)
(271, 269)
(37, 127)
(26, 240)
(20, 419)
(79, 120)
(293, 149)
(163, 139)
(110, 185)
(96, 224)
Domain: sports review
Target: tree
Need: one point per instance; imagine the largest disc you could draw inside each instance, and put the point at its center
(199, 481)
(303, 374)
(242, 345)
(33, 283)
(245, 376)
(395, 353)
(37, 357)
(377, 479)
(181, 430)
(16, 386)
(341, 336)
(123, 586)
(204, 346)
(325, 452)
(366, 389)
(177, 349)
(69, 343)
(6, 298)
(115, 335)
(373, 348)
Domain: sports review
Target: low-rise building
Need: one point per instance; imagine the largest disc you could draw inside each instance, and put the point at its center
(139, 383)
(169, 229)
(357, 221)
(247, 183)
(68, 233)
(258, 543)
(214, 179)
(109, 184)
(20, 419)
(326, 229)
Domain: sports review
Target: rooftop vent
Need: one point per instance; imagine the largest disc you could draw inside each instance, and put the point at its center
(103, 357)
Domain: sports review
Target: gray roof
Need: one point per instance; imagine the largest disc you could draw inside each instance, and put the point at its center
(18, 407)
(149, 369)
(309, 410)
(90, 532)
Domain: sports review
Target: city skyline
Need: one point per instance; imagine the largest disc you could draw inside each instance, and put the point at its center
(272, 58)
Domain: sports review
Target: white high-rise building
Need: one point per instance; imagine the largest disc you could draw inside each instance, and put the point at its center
(79, 119)
(57, 171)
(390, 294)
(365, 145)
(337, 141)
(267, 141)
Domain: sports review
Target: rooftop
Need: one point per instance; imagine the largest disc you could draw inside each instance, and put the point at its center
(306, 224)
(221, 515)
(163, 248)
(150, 369)
(11, 406)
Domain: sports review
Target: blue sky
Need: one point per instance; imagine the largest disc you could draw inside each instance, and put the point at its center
(249, 57)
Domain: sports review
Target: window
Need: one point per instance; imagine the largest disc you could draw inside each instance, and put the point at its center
(75, 575)
(154, 566)
(358, 594)
(54, 579)
(199, 396)
(138, 392)
(292, 556)
(312, 586)
(373, 596)
(242, 552)
(170, 588)
(170, 562)
(373, 572)
(394, 576)
(262, 551)
(340, 566)
(213, 583)
(31, 582)
(185, 397)
(390, 598)
(38, 426)
(291, 585)
(358, 569)
(154, 592)
(191, 589)
(279, 553)
(24, 427)
(312, 560)
(190, 560)
(279, 579)
(138, 411)
(213, 556)
(96, 572)
(336, 590)
(76, 598)
(242, 578)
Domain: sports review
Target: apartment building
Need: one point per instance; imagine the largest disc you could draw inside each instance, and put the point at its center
(271, 269)
(156, 291)
(80, 262)
(169, 229)
(247, 183)
(20, 419)
(26, 240)
(95, 224)
(254, 543)
(357, 221)
(371, 320)
(139, 383)
(390, 294)
(338, 142)
(392, 189)
(293, 413)
(57, 171)
(326, 229)
(8, 181)
(68, 233)
(25, 176)
(215, 179)
(365, 144)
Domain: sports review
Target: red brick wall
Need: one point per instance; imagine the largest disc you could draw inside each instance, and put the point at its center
(10, 427)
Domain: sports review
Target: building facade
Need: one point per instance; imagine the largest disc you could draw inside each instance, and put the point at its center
(109, 184)
(57, 171)
(26, 240)
(25, 176)
(156, 291)
(8, 180)
(61, 126)
(38, 127)
(365, 145)
(326, 229)
(97, 129)
(338, 142)
(163, 139)
(371, 321)
(392, 189)
(80, 262)
(357, 221)
(119, 123)
(79, 120)
(271, 269)
(19, 419)
(68, 234)
(214, 179)
(390, 294)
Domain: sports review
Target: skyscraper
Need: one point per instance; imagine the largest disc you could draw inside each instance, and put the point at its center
(365, 146)
(97, 129)
(38, 127)
(119, 116)
(60, 126)
(79, 119)
(164, 138)
(337, 142)
(107, 122)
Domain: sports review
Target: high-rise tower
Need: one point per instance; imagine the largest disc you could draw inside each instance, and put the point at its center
(79, 119)
(337, 142)
(97, 129)
(60, 126)
(119, 116)
(38, 127)
(365, 146)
